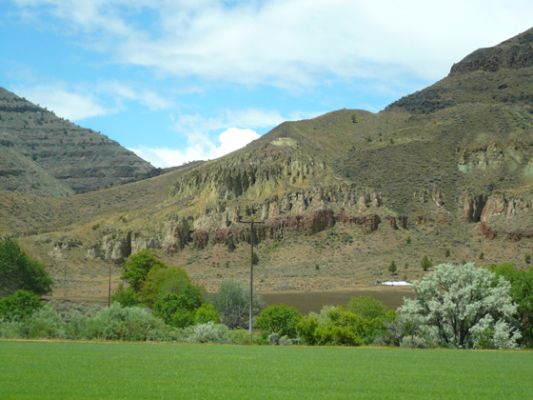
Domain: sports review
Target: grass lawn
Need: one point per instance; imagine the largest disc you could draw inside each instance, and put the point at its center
(74, 370)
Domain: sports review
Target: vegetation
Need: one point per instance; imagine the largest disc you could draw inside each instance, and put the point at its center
(426, 263)
(279, 319)
(522, 293)
(18, 271)
(232, 303)
(137, 267)
(54, 370)
(460, 306)
(19, 305)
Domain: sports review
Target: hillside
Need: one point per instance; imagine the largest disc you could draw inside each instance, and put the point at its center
(446, 172)
(46, 155)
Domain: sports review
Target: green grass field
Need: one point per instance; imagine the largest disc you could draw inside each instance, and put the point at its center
(71, 370)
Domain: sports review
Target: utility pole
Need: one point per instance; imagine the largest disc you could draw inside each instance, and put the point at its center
(251, 222)
(109, 287)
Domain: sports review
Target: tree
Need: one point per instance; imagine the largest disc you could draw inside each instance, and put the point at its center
(138, 265)
(393, 268)
(461, 306)
(206, 313)
(18, 271)
(280, 319)
(231, 301)
(522, 293)
(163, 281)
(367, 307)
(426, 263)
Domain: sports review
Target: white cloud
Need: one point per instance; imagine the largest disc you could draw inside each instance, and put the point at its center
(291, 42)
(84, 101)
(67, 104)
(228, 141)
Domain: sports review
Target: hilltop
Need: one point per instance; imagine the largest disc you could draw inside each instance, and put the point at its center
(46, 155)
(446, 172)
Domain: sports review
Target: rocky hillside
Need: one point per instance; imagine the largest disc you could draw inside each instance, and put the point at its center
(446, 172)
(46, 155)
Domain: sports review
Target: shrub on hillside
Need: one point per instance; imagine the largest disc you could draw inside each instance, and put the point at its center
(126, 296)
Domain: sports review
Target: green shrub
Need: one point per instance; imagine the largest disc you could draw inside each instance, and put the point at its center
(306, 329)
(45, 323)
(126, 296)
(232, 303)
(207, 333)
(127, 323)
(137, 267)
(18, 271)
(163, 281)
(279, 319)
(18, 306)
(367, 307)
(206, 313)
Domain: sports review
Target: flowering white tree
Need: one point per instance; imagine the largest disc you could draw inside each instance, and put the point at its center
(460, 306)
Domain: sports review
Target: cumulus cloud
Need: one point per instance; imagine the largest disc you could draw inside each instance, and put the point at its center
(228, 141)
(290, 42)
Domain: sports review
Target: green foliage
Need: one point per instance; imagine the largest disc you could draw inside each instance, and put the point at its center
(522, 293)
(279, 319)
(527, 259)
(367, 307)
(126, 296)
(127, 323)
(232, 303)
(208, 332)
(18, 306)
(18, 271)
(461, 306)
(162, 281)
(44, 323)
(426, 263)
(178, 309)
(306, 329)
(137, 267)
(392, 268)
(206, 313)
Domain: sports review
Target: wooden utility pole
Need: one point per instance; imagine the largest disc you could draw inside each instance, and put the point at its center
(109, 287)
(252, 237)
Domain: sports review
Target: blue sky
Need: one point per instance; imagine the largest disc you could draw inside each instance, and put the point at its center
(181, 80)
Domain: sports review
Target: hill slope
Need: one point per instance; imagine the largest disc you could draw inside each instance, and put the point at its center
(43, 154)
(446, 172)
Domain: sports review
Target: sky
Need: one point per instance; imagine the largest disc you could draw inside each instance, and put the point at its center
(182, 80)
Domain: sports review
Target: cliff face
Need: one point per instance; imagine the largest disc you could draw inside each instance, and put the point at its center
(44, 154)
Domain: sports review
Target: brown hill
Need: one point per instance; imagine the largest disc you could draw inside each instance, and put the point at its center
(446, 172)
(46, 155)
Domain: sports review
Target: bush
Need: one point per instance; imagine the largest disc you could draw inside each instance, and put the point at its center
(306, 329)
(137, 267)
(461, 306)
(232, 303)
(279, 319)
(206, 313)
(161, 282)
(18, 271)
(126, 296)
(127, 323)
(18, 306)
(207, 333)
(45, 323)
(522, 293)
(426, 263)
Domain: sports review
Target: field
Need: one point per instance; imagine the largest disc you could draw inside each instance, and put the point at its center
(72, 370)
